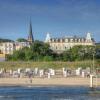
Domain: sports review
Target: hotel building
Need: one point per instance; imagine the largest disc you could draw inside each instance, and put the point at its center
(59, 45)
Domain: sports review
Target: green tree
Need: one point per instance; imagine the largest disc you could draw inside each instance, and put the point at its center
(28, 54)
(6, 40)
(18, 55)
(67, 56)
(48, 58)
(97, 51)
(21, 40)
(41, 48)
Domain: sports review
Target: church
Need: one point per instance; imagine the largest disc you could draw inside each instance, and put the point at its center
(10, 47)
(59, 45)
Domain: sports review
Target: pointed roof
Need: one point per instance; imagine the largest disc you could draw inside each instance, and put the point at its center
(88, 37)
(30, 31)
(30, 36)
(48, 37)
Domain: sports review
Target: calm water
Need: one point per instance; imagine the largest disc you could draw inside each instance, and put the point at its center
(47, 93)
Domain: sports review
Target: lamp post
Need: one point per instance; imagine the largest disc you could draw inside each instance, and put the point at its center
(93, 69)
(92, 72)
(93, 64)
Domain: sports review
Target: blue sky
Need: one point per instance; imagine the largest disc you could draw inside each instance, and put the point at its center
(59, 17)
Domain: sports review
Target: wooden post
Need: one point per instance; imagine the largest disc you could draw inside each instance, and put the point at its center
(91, 81)
(96, 80)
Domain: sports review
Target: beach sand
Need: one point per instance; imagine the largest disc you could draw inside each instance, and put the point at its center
(47, 82)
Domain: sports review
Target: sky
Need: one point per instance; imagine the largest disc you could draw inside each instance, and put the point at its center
(58, 17)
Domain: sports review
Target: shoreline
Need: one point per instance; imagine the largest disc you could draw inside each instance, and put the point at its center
(44, 82)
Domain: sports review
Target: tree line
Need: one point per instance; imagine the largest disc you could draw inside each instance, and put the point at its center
(5, 40)
(40, 51)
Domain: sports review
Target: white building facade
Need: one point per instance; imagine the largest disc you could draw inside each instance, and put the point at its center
(59, 45)
(9, 47)
(20, 45)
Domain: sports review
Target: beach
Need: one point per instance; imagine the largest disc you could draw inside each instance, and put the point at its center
(70, 81)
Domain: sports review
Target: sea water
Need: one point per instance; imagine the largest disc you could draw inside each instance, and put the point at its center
(48, 93)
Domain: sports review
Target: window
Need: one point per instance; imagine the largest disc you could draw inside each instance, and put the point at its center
(66, 40)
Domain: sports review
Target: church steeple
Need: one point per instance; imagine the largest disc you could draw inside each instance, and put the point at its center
(30, 36)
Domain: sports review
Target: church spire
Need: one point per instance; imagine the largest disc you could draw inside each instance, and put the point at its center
(30, 36)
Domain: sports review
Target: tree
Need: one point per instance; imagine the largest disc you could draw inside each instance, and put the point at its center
(97, 51)
(78, 53)
(21, 40)
(6, 40)
(29, 54)
(48, 58)
(40, 51)
(9, 57)
(41, 48)
(18, 55)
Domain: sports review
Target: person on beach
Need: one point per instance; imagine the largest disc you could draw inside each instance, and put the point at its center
(30, 80)
(30, 77)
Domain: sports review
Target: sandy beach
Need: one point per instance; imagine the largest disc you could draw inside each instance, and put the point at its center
(47, 82)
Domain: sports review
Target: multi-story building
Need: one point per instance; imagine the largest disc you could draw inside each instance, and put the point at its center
(20, 45)
(62, 44)
(7, 47)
